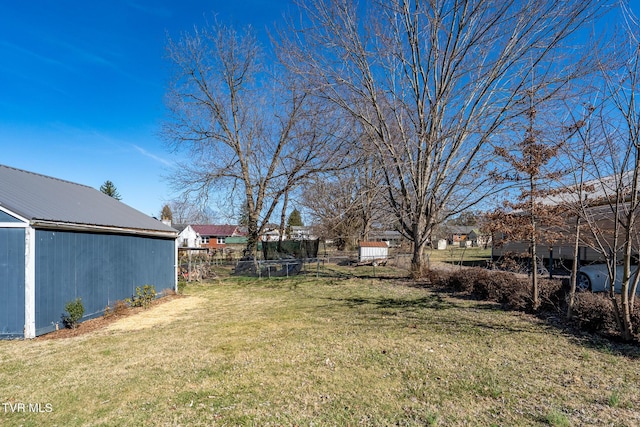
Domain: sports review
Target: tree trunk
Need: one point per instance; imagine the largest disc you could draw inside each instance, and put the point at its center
(628, 288)
(252, 236)
(535, 297)
(283, 220)
(417, 262)
(627, 322)
(535, 293)
(574, 270)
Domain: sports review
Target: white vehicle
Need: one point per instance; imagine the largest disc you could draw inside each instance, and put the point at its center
(595, 278)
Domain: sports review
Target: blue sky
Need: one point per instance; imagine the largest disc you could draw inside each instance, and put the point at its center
(82, 86)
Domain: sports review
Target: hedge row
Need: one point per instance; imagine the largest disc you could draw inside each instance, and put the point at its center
(592, 312)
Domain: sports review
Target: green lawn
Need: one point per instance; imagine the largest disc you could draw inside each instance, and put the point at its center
(321, 351)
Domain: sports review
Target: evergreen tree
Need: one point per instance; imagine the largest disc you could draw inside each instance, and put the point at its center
(110, 189)
(166, 213)
(294, 220)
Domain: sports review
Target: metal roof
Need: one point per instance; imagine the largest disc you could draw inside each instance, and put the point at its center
(593, 190)
(373, 245)
(54, 203)
(461, 229)
(224, 230)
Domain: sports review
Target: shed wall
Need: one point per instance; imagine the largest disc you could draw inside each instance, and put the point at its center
(12, 270)
(98, 268)
(370, 253)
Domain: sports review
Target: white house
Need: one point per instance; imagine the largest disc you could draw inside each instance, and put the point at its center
(270, 234)
(299, 232)
(188, 237)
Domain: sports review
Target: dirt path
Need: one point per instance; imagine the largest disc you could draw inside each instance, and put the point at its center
(181, 308)
(163, 310)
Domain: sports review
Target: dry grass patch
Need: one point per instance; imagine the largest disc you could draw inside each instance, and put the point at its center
(177, 309)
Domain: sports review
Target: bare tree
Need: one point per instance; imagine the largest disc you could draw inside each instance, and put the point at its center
(184, 211)
(346, 204)
(624, 86)
(612, 215)
(432, 83)
(247, 129)
(605, 200)
(575, 152)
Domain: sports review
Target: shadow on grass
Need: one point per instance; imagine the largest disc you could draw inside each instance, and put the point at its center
(433, 302)
(422, 312)
(608, 344)
(356, 273)
(468, 263)
(442, 298)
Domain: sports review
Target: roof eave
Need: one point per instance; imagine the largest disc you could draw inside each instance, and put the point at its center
(101, 229)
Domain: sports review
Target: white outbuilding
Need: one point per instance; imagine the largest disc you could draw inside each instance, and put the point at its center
(373, 251)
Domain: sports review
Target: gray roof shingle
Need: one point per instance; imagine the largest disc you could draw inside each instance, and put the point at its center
(43, 199)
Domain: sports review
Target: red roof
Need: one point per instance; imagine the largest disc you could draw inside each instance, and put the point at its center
(225, 230)
(373, 245)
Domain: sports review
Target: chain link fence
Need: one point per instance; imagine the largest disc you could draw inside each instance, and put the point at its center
(202, 265)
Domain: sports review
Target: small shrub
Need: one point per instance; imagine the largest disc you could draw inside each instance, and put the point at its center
(461, 280)
(502, 287)
(75, 311)
(515, 292)
(594, 313)
(506, 288)
(552, 295)
(487, 285)
(438, 278)
(143, 296)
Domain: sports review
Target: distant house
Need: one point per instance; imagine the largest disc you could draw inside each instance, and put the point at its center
(300, 232)
(459, 235)
(271, 233)
(187, 237)
(478, 238)
(392, 237)
(214, 236)
(60, 241)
